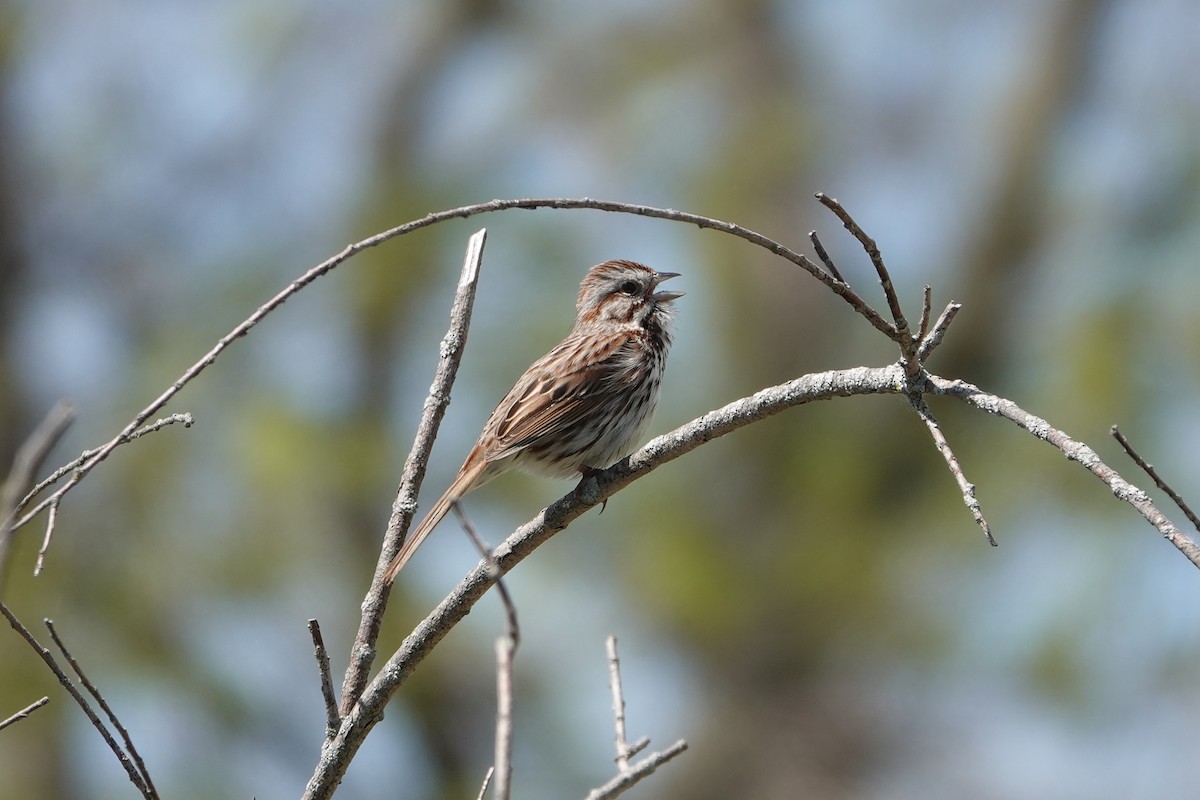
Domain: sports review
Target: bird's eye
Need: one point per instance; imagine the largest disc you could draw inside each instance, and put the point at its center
(629, 287)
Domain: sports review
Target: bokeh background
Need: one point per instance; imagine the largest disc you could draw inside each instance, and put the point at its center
(805, 601)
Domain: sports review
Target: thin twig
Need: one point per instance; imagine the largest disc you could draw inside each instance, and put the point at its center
(28, 460)
(502, 777)
(53, 501)
(642, 769)
(1154, 476)
(24, 712)
(823, 254)
(1076, 451)
(85, 458)
(618, 699)
(130, 768)
(926, 310)
(362, 654)
(513, 630)
(487, 779)
(184, 418)
(506, 648)
(108, 712)
(51, 520)
(332, 718)
(930, 341)
(885, 279)
(943, 446)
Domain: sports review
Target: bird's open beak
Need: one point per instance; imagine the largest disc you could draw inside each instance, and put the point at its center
(665, 297)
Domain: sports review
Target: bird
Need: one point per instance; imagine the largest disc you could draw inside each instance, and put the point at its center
(582, 406)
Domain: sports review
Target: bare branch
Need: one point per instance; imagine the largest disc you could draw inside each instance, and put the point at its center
(642, 769)
(131, 769)
(506, 649)
(85, 458)
(943, 446)
(28, 460)
(332, 718)
(901, 334)
(1154, 476)
(1075, 451)
(362, 654)
(24, 712)
(185, 419)
(108, 712)
(618, 698)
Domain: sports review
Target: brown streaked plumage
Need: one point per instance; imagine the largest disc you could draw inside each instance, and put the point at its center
(582, 406)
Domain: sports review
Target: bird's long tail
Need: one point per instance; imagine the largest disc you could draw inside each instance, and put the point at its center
(470, 476)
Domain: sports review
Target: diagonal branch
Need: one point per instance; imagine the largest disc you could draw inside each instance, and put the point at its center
(1075, 451)
(943, 446)
(131, 769)
(1150, 471)
(901, 334)
(126, 739)
(362, 654)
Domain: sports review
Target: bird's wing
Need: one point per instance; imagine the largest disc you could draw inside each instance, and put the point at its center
(559, 389)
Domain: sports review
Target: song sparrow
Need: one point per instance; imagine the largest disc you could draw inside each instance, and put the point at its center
(583, 405)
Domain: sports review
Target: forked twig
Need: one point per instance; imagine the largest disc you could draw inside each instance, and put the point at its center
(642, 769)
(28, 460)
(184, 419)
(53, 501)
(628, 776)
(1154, 476)
(902, 336)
